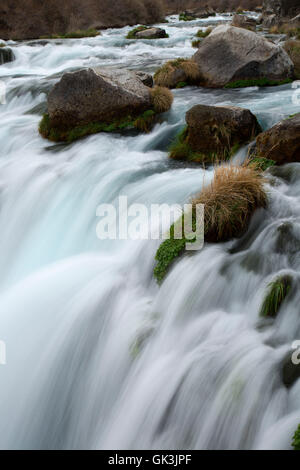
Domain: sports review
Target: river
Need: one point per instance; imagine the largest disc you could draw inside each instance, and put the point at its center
(97, 354)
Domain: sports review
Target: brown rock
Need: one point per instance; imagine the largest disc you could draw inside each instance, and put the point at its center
(151, 33)
(281, 143)
(213, 131)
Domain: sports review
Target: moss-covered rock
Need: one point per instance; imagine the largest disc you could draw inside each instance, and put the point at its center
(146, 32)
(296, 439)
(96, 100)
(214, 133)
(229, 203)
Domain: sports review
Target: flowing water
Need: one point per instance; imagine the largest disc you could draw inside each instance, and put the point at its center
(99, 356)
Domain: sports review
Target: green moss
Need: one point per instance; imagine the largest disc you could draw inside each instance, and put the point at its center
(169, 250)
(296, 439)
(184, 17)
(261, 82)
(89, 33)
(181, 150)
(196, 43)
(144, 123)
(181, 85)
(277, 293)
(262, 163)
(203, 34)
(132, 32)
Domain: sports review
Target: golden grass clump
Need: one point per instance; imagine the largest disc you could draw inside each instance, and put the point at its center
(162, 99)
(176, 71)
(230, 200)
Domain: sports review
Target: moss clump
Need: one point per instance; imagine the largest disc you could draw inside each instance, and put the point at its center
(261, 82)
(262, 163)
(168, 251)
(143, 122)
(229, 202)
(185, 17)
(296, 439)
(180, 149)
(196, 43)
(204, 34)
(89, 33)
(277, 293)
(181, 85)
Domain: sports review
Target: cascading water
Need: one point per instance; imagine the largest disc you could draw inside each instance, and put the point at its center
(99, 356)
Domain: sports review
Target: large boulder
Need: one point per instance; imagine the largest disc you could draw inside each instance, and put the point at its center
(231, 54)
(6, 55)
(96, 95)
(214, 133)
(281, 143)
(243, 21)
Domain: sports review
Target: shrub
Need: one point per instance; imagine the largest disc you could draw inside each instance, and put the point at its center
(292, 47)
(204, 34)
(196, 43)
(165, 75)
(262, 163)
(162, 99)
(185, 17)
(296, 439)
(277, 292)
(229, 202)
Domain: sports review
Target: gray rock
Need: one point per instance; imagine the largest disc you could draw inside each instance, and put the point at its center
(243, 21)
(146, 78)
(229, 54)
(151, 33)
(96, 94)
(6, 55)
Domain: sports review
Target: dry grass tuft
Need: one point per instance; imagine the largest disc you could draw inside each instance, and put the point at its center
(167, 75)
(230, 200)
(162, 99)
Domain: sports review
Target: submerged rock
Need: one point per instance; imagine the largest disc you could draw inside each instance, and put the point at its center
(290, 371)
(6, 55)
(151, 33)
(214, 133)
(232, 54)
(281, 143)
